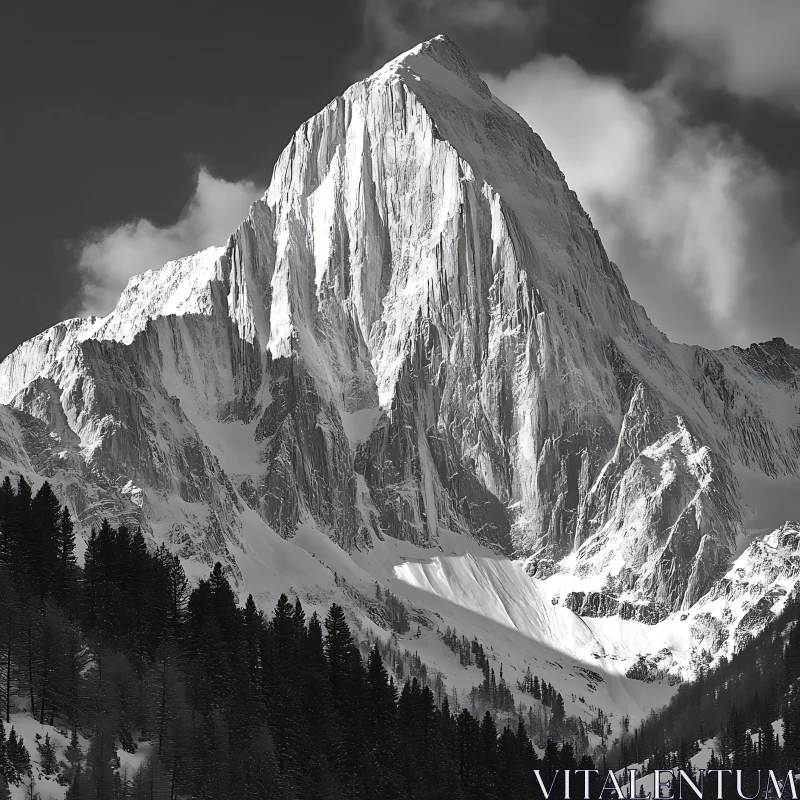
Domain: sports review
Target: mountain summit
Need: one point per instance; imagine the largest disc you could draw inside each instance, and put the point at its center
(416, 336)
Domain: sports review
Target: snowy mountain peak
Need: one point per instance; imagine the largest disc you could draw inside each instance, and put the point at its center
(431, 61)
(415, 340)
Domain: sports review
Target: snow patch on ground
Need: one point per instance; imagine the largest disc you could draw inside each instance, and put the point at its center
(28, 728)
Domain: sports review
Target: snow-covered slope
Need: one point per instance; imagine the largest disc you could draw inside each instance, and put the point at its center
(416, 340)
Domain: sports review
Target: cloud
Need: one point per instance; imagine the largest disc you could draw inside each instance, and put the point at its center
(750, 48)
(107, 258)
(392, 26)
(694, 218)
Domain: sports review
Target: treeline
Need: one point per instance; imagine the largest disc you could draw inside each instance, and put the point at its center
(492, 693)
(468, 652)
(545, 719)
(495, 694)
(542, 691)
(736, 702)
(396, 614)
(231, 702)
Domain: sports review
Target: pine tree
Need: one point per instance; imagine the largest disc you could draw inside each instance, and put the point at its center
(558, 708)
(380, 700)
(338, 642)
(467, 731)
(18, 757)
(260, 777)
(791, 731)
(65, 581)
(101, 763)
(19, 539)
(178, 594)
(7, 773)
(488, 751)
(90, 581)
(209, 666)
(281, 654)
(43, 544)
(228, 660)
(47, 755)
(299, 618)
(142, 635)
(9, 636)
(252, 637)
(6, 512)
(79, 788)
(109, 610)
(74, 759)
(317, 736)
(283, 629)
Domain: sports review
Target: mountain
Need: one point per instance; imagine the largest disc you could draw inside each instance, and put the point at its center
(414, 363)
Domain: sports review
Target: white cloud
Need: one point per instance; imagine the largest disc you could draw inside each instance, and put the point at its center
(108, 257)
(695, 219)
(751, 48)
(680, 209)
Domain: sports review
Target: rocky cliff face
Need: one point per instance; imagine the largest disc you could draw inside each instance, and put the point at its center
(415, 332)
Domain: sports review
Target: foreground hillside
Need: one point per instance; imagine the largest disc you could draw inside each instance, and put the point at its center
(122, 681)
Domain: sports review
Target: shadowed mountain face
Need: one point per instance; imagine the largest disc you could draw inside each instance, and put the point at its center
(416, 330)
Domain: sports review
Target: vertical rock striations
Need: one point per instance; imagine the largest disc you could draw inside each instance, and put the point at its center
(419, 313)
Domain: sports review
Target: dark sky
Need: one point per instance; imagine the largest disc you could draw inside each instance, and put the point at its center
(109, 110)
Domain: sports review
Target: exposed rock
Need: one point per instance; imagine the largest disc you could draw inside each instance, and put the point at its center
(592, 604)
(416, 331)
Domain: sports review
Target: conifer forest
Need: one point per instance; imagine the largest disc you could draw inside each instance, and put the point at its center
(231, 702)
